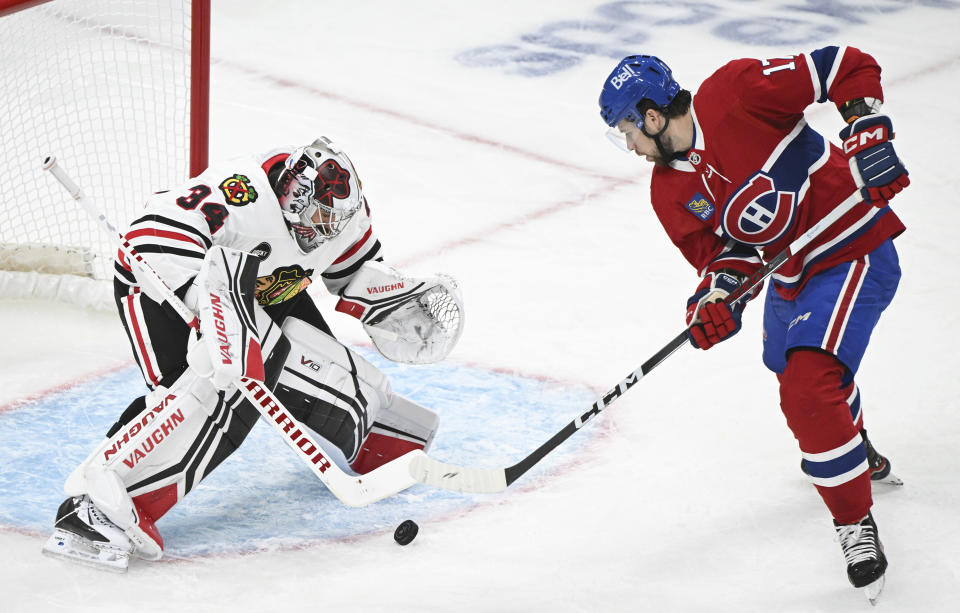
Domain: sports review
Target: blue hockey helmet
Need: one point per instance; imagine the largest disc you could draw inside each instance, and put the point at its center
(635, 78)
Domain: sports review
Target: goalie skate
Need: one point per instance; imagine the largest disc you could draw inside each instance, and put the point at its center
(84, 535)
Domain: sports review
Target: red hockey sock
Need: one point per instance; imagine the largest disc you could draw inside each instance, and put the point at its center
(815, 404)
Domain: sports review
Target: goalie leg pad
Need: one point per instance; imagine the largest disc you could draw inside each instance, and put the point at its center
(400, 427)
(135, 476)
(329, 388)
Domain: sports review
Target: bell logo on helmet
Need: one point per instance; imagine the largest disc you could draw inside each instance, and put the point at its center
(620, 78)
(635, 78)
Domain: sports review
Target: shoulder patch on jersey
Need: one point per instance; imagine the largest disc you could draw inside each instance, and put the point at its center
(701, 207)
(237, 190)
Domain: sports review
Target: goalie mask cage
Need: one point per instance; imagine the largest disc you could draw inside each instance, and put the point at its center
(118, 91)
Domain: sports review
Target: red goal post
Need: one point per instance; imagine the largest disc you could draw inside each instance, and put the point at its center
(118, 90)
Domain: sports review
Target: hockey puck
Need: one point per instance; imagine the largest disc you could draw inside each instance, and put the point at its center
(406, 532)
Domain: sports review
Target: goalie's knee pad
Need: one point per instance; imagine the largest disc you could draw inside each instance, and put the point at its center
(400, 427)
(329, 388)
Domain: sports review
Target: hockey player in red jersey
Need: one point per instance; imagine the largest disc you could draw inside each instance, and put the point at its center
(738, 175)
(240, 244)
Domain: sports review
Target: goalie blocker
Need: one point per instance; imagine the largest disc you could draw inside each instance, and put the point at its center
(169, 440)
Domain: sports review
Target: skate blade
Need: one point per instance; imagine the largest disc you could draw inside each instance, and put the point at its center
(67, 546)
(890, 479)
(873, 590)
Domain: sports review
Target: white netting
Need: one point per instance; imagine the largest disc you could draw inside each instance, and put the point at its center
(422, 330)
(105, 86)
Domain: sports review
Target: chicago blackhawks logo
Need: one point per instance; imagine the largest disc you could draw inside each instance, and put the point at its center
(758, 214)
(237, 190)
(283, 284)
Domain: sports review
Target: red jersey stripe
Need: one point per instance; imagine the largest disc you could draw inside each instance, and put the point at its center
(177, 236)
(354, 248)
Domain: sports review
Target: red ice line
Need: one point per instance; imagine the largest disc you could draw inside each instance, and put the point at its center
(36, 396)
(608, 181)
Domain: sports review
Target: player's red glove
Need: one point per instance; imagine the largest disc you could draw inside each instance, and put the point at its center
(877, 170)
(711, 320)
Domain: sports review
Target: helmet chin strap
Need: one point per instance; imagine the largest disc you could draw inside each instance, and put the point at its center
(678, 155)
(656, 137)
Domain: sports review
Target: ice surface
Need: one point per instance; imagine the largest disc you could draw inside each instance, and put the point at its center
(476, 132)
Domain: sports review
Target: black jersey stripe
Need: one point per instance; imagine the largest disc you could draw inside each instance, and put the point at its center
(166, 221)
(353, 268)
(166, 250)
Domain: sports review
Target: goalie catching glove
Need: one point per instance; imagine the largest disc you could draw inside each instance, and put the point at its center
(415, 320)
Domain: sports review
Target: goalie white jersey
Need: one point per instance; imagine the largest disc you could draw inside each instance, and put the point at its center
(239, 243)
(232, 204)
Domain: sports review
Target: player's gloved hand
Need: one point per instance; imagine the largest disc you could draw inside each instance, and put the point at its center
(709, 319)
(877, 170)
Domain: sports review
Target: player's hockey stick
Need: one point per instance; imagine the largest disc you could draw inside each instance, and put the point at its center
(353, 491)
(415, 466)
(463, 479)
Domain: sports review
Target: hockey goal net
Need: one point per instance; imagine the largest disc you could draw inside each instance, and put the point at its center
(117, 90)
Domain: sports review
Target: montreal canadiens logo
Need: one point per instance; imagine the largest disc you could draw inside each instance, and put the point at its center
(758, 214)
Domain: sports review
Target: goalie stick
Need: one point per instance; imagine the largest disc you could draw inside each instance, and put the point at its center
(354, 491)
(478, 480)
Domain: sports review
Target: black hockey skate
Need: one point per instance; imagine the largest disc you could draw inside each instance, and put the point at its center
(879, 465)
(863, 551)
(84, 534)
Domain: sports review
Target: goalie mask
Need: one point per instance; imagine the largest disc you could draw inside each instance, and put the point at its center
(319, 193)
